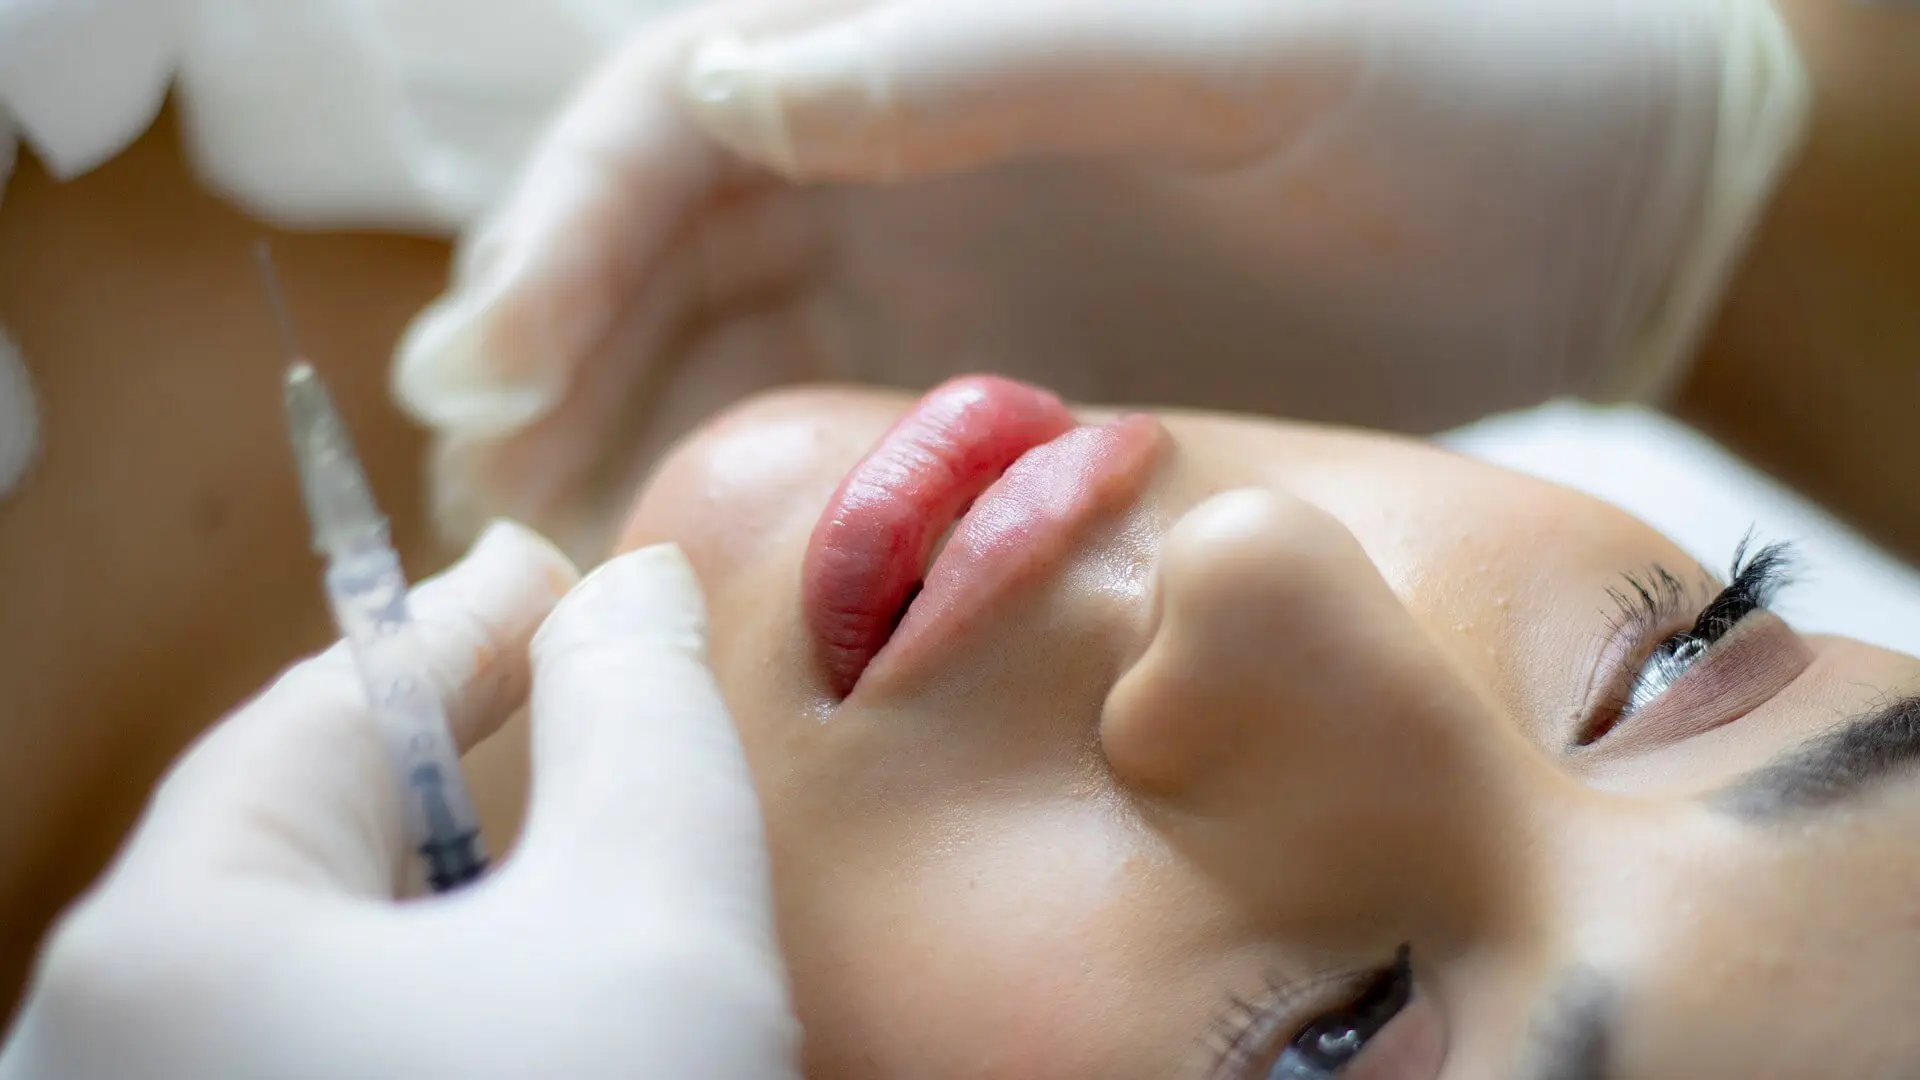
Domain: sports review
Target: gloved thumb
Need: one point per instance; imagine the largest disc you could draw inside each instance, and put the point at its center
(915, 87)
(640, 785)
(297, 784)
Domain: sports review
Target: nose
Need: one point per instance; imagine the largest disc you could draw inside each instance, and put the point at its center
(1291, 721)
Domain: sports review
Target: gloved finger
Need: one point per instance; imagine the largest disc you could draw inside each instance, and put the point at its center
(297, 786)
(569, 472)
(543, 284)
(532, 472)
(641, 793)
(723, 359)
(922, 86)
(546, 281)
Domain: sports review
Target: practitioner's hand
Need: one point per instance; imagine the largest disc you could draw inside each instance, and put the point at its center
(250, 928)
(1403, 213)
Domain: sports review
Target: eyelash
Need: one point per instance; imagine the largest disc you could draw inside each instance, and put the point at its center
(1248, 1034)
(1650, 603)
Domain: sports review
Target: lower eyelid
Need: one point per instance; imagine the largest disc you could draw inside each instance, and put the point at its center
(1654, 605)
(1618, 663)
(1742, 671)
(1623, 659)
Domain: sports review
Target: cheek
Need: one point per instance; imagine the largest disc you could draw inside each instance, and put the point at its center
(764, 467)
(722, 493)
(1023, 942)
(1511, 577)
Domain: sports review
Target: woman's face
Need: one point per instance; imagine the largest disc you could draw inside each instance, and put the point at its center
(1223, 748)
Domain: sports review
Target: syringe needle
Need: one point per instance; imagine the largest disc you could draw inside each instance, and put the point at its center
(339, 501)
(276, 299)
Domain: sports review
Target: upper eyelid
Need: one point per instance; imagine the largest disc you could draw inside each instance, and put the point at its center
(1741, 672)
(1652, 614)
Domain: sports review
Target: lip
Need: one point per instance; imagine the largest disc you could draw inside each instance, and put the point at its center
(1001, 463)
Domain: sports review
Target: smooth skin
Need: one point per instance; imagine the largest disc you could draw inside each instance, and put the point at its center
(1307, 699)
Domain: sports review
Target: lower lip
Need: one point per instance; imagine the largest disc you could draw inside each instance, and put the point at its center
(1034, 480)
(1026, 524)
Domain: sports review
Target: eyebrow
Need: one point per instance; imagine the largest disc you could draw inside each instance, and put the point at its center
(1830, 768)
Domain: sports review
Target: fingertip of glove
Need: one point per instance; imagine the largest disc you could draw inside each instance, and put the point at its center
(651, 594)
(732, 94)
(442, 377)
(508, 568)
(510, 547)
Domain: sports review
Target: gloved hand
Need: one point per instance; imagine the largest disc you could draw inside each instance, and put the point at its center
(249, 929)
(1405, 213)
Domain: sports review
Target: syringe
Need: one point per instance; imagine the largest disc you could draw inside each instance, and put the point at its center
(368, 594)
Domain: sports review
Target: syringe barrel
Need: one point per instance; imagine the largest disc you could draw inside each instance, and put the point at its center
(368, 592)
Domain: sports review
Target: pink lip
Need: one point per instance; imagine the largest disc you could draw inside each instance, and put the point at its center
(1008, 457)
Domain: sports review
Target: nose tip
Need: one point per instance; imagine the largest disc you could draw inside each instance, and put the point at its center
(1267, 605)
(1300, 721)
(1241, 553)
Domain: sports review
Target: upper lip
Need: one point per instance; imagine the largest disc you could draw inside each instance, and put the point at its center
(871, 545)
(869, 554)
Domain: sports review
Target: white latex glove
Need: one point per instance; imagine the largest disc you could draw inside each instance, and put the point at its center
(249, 929)
(1404, 213)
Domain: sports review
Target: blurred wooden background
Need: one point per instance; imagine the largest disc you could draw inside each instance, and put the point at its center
(155, 568)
